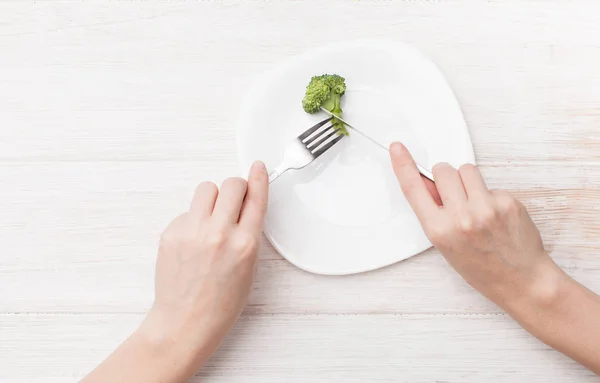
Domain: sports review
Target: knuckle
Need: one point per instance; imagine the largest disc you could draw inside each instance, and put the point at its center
(168, 238)
(485, 217)
(216, 240)
(518, 207)
(437, 233)
(245, 245)
(171, 234)
(488, 214)
(507, 204)
(465, 223)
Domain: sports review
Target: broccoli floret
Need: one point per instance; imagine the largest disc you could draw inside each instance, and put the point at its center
(316, 94)
(326, 91)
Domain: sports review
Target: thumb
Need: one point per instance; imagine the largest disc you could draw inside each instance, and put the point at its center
(411, 183)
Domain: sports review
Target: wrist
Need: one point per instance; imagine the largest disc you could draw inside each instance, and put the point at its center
(541, 295)
(173, 339)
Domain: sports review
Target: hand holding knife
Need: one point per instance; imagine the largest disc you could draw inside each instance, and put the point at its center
(426, 173)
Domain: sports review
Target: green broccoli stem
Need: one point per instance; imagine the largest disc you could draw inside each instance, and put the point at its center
(337, 110)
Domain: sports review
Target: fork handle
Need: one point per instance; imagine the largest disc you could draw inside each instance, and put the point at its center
(275, 173)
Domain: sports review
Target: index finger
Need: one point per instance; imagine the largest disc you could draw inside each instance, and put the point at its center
(412, 185)
(255, 203)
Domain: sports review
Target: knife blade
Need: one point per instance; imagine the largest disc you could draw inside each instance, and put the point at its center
(425, 172)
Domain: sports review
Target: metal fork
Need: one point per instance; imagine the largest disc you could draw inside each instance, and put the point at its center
(307, 147)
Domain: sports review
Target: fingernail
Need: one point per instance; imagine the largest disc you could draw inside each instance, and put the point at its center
(397, 148)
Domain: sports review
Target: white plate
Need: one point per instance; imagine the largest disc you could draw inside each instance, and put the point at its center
(345, 213)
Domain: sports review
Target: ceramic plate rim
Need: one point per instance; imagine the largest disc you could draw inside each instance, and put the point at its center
(271, 73)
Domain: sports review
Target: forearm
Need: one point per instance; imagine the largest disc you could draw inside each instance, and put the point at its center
(566, 316)
(151, 355)
(204, 273)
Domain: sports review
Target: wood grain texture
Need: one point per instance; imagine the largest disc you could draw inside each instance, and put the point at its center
(338, 348)
(111, 112)
(162, 81)
(96, 226)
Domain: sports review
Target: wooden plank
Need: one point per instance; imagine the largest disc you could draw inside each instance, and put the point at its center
(83, 237)
(156, 81)
(301, 348)
(112, 112)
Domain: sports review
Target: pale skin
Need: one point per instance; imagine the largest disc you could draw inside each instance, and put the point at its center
(207, 259)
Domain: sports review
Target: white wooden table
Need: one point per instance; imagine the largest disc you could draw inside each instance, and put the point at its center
(111, 113)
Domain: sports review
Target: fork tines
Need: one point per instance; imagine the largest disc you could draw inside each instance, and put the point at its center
(318, 139)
